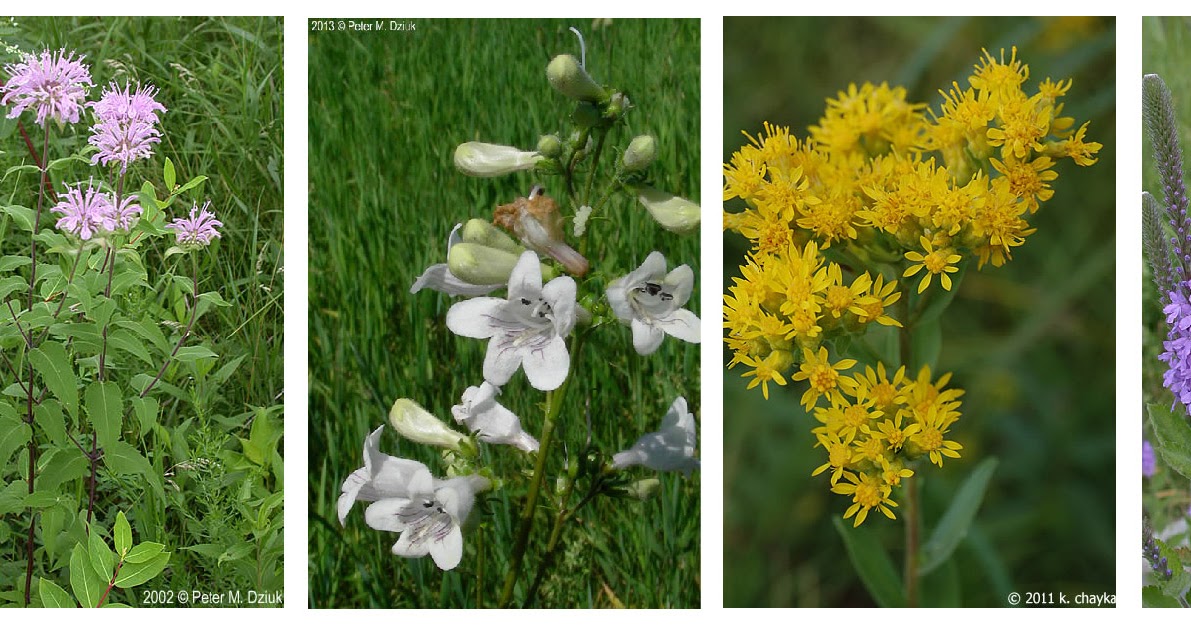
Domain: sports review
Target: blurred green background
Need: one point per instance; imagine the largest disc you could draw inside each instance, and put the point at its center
(387, 110)
(1032, 343)
(1166, 50)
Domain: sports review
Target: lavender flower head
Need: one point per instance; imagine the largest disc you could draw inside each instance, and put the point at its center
(53, 83)
(198, 230)
(128, 105)
(1149, 464)
(124, 215)
(1177, 354)
(123, 141)
(85, 212)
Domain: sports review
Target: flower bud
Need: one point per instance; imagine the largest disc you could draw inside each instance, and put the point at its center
(644, 489)
(570, 79)
(678, 215)
(480, 264)
(486, 160)
(641, 153)
(617, 105)
(415, 423)
(550, 146)
(484, 233)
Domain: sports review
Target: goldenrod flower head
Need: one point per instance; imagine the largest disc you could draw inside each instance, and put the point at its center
(998, 77)
(938, 262)
(1079, 151)
(930, 440)
(823, 376)
(767, 370)
(839, 456)
(867, 492)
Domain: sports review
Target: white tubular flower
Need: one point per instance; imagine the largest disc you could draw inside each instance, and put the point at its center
(480, 412)
(382, 477)
(678, 215)
(430, 518)
(650, 301)
(415, 423)
(440, 277)
(528, 329)
(569, 78)
(671, 448)
(487, 160)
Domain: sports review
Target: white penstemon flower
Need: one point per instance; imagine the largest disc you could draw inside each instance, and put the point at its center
(440, 277)
(487, 160)
(672, 448)
(528, 330)
(430, 519)
(414, 422)
(651, 302)
(496, 424)
(382, 477)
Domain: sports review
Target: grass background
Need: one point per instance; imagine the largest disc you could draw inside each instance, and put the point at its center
(1166, 49)
(221, 79)
(387, 110)
(1032, 342)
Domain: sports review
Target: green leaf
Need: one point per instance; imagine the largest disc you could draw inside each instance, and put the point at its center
(12, 497)
(102, 558)
(149, 330)
(13, 434)
(872, 564)
(939, 298)
(144, 552)
(66, 465)
(170, 175)
(21, 216)
(84, 581)
(191, 184)
(1174, 438)
(12, 284)
(124, 459)
(193, 353)
(146, 409)
(926, 341)
(137, 573)
(106, 410)
(58, 163)
(44, 499)
(48, 417)
(1153, 597)
(52, 595)
(954, 524)
(122, 535)
(57, 371)
(127, 341)
(8, 263)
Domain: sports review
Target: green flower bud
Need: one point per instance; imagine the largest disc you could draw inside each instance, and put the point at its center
(480, 264)
(570, 79)
(678, 215)
(486, 160)
(550, 146)
(415, 423)
(617, 105)
(485, 233)
(641, 153)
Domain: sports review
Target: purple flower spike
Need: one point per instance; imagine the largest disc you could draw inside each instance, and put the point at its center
(127, 105)
(198, 230)
(53, 83)
(1177, 347)
(1149, 464)
(123, 141)
(85, 212)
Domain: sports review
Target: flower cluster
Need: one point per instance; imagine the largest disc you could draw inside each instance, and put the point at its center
(873, 428)
(89, 212)
(197, 230)
(127, 124)
(53, 83)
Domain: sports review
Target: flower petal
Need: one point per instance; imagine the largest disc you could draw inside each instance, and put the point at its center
(548, 366)
(681, 324)
(682, 278)
(502, 360)
(385, 515)
(646, 337)
(474, 318)
(560, 294)
(351, 489)
(439, 278)
(526, 279)
(446, 552)
(407, 547)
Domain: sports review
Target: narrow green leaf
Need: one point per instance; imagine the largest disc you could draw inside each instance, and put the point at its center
(872, 563)
(57, 371)
(127, 341)
(1174, 438)
(170, 175)
(148, 329)
(193, 353)
(48, 417)
(146, 409)
(106, 411)
(52, 595)
(144, 552)
(954, 524)
(102, 558)
(84, 581)
(124, 459)
(193, 183)
(137, 573)
(122, 535)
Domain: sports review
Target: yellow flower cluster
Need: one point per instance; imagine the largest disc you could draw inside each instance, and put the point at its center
(874, 427)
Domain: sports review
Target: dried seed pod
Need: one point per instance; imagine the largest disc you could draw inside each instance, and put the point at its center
(537, 222)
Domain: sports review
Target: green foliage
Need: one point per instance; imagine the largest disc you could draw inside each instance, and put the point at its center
(387, 112)
(154, 436)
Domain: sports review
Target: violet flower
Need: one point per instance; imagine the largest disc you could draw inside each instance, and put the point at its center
(52, 83)
(198, 230)
(85, 212)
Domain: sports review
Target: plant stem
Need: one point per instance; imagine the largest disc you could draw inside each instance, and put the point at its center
(560, 520)
(553, 406)
(29, 343)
